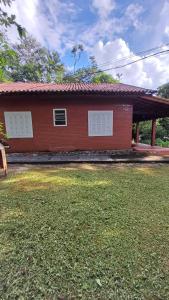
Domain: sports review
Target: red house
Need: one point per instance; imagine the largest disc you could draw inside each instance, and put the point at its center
(66, 117)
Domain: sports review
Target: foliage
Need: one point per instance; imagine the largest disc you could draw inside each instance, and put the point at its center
(162, 132)
(163, 90)
(104, 78)
(81, 75)
(2, 132)
(85, 232)
(76, 51)
(1, 128)
(29, 61)
(162, 143)
(7, 59)
(165, 124)
(8, 20)
(36, 63)
(145, 132)
(87, 74)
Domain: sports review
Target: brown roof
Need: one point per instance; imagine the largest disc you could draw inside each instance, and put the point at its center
(149, 107)
(103, 88)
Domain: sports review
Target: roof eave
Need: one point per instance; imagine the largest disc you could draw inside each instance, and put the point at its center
(110, 93)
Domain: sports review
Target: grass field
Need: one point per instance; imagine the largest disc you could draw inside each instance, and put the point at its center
(85, 232)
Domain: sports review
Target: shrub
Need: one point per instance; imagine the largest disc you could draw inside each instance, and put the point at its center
(2, 131)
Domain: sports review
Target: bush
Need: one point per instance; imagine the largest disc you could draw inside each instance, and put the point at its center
(162, 132)
(162, 143)
(2, 131)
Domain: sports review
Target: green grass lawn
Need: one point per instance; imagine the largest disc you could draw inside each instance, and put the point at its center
(85, 232)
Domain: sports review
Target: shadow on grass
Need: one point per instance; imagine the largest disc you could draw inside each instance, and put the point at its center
(85, 175)
(63, 228)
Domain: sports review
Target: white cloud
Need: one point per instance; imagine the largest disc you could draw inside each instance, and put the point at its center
(149, 73)
(45, 21)
(104, 7)
(166, 30)
(165, 9)
(57, 25)
(109, 24)
(133, 12)
(159, 22)
(104, 26)
(102, 29)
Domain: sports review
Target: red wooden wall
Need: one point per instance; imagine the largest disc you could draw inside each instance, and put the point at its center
(75, 135)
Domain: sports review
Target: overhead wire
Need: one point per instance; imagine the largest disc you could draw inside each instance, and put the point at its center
(133, 55)
(127, 64)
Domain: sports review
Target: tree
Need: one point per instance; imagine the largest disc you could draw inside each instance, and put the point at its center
(145, 131)
(76, 51)
(163, 90)
(81, 75)
(28, 61)
(36, 63)
(8, 20)
(89, 74)
(8, 58)
(104, 78)
(162, 133)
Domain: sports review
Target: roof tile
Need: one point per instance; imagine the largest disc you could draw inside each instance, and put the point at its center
(112, 88)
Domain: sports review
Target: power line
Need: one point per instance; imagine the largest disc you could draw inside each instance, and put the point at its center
(127, 64)
(133, 55)
(142, 58)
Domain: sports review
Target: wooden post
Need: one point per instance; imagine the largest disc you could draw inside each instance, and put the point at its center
(153, 132)
(3, 161)
(137, 132)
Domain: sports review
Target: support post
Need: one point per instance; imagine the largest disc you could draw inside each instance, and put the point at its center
(137, 132)
(3, 161)
(153, 132)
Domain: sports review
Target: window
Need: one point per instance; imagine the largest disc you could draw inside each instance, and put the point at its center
(100, 123)
(60, 117)
(18, 124)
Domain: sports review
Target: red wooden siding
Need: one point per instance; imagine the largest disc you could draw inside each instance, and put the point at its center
(75, 135)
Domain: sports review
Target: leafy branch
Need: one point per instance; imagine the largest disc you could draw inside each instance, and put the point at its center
(8, 20)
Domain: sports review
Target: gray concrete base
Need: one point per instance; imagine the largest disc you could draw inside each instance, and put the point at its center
(86, 157)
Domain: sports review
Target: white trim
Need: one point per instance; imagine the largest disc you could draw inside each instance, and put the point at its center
(56, 109)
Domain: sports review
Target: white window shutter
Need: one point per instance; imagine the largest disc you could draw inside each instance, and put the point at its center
(18, 124)
(100, 123)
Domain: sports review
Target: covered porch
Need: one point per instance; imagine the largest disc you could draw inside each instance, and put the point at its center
(149, 108)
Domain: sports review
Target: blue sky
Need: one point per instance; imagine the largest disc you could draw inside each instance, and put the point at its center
(108, 29)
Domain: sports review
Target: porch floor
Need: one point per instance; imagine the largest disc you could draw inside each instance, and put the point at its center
(157, 150)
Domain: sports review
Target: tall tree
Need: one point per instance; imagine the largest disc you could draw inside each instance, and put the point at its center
(76, 52)
(8, 58)
(104, 78)
(81, 75)
(89, 74)
(163, 90)
(36, 63)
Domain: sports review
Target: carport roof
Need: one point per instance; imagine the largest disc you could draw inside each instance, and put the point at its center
(149, 107)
